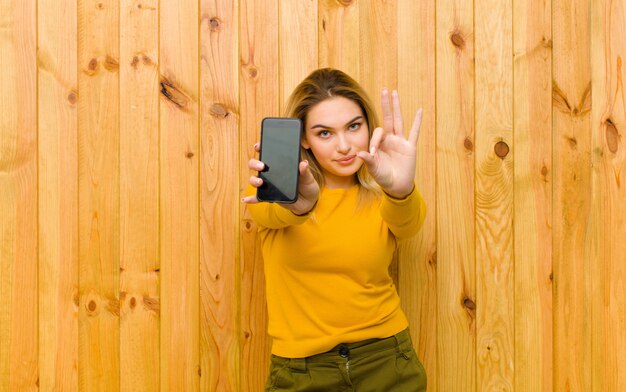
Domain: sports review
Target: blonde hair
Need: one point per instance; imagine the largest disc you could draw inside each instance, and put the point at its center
(323, 84)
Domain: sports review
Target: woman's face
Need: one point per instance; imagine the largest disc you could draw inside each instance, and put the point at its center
(335, 131)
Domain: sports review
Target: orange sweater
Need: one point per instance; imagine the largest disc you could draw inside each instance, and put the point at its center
(327, 273)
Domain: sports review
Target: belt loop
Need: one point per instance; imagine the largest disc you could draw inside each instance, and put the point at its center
(402, 340)
(298, 364)
(398, 343)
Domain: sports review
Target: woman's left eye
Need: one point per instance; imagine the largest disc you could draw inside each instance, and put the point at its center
(354, 126)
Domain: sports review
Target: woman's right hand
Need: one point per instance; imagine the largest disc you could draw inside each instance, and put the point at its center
(308, 188)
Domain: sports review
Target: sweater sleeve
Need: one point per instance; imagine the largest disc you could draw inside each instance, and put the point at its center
(272, 215)
(404, 216)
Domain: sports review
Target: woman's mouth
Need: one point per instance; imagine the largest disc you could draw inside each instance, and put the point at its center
(346, 160)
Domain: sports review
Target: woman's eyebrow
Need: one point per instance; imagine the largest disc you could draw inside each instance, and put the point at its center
(327, 127)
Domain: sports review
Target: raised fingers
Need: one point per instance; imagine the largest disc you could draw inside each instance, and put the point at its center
(377, 137)
(414, 135)
(387, 113)
(397, 113)
(392, 114)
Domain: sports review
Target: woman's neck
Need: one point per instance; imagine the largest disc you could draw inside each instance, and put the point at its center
(337, 182)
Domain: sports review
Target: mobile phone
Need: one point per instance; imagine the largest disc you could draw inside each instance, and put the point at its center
(280, 152)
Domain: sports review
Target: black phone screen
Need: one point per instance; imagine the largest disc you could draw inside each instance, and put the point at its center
(280, 152)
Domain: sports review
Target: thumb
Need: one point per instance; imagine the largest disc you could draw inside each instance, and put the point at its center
(368, 159)
(306, 177)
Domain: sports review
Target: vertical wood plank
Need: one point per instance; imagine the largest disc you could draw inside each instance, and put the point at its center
(18, 196)
(98, 194)
(179, 195)
(219, 190)
(533, 194)
(494, 195)
(455, 258)
(417, 257)
(58, 195)
(571, 106)
(338, 28)
(378, 61)
(258, 91)
(297, 38)
(139, 196)
(608, 212)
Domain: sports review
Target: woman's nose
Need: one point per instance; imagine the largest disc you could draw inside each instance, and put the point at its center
(343, 146)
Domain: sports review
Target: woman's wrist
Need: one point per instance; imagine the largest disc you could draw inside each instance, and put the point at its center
(399, 195)
(305, 213)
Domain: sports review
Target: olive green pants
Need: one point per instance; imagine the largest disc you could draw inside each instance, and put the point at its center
(376, 365)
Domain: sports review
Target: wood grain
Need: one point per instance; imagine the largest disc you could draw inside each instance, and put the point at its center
(571, 111)
(338, 34)
(219, 201)
(533, 195)
(98, 195)
(455, 212)
(417, 268)
(179, 153)
(139, 196)
(608, 222)
(18, 197)
(297, 38)
(378, 55)
(58, 195)
(494, 196)
(126, 126)
(258, 98)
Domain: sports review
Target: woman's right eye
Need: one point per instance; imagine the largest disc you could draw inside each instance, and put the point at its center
(323, 134)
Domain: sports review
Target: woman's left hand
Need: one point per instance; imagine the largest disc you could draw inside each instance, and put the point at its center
(391, 159)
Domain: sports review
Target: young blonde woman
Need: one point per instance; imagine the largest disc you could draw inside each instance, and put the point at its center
(334, 313)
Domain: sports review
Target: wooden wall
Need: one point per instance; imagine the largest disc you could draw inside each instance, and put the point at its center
(128, 263)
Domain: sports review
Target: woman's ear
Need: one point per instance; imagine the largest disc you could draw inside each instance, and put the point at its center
(304, 143)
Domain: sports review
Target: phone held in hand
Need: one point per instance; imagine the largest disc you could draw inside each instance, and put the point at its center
(280, 152)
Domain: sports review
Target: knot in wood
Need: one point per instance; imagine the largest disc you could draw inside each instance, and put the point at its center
(501, 149)
(174, 94)
(151, 304)
(218, 110)
(215, 24)
(91, 306)
(113, 306)
(433, 259)
(253, 72)
(467, 143)
(457, 39)
(612, 136)
(72, 97)
(93, 64)
(133, 302)
(111, 64)
(469, 304)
